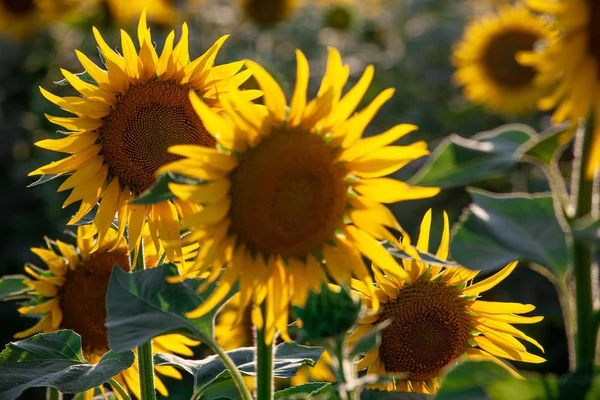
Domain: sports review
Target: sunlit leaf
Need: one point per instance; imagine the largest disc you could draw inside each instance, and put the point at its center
(289, 357)
(459, 161)
(498, 229)
(143, 305)
(55, 360)
(12, 285)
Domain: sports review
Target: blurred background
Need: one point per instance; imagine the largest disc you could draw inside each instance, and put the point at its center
(408, 41)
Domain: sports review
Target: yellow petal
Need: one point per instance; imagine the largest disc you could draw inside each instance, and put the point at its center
(273, 95)
(387, 190)
(375, 252)
(350, 101)
(204, 194)
(443, 249)
(130, 55)
(423, 241)
(216, 125)
(490, 282)
(226, 283)
(364, 147)
(515, 355)
(496, 307)
(41, 326)
(480, 355)
(299, 97)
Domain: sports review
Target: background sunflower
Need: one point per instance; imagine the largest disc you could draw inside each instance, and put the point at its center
(486, 61)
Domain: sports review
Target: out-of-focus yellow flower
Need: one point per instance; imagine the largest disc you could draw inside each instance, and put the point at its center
(486, 61)
(574, 59)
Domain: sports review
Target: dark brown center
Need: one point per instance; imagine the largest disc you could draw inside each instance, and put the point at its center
(429, 328)
(83, 298)
(18, 7)
(499, 58)
(288, 194)
(594, 30)
(148, 119)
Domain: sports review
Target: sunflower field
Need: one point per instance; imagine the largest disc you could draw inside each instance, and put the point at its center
(300, 199)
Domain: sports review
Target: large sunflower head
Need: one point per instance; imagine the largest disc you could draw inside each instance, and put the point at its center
(290, 196)
(486, 63)
(574, 58)
(437, 318)
(71, 294)
(123, 124)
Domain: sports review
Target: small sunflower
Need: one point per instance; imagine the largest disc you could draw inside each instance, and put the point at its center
(123, 125)
(486, 64)
(574, 59)
(71, 294)
(290, 196)
(268, 12)
(437, 318)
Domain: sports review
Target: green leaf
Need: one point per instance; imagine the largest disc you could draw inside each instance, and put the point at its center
(84, 76)
(547, 145)
(498, 229)
(160, 192)
(468, 380)
(427, 258)
(206, 371)
(44, 179)
(459, 161)
(289, 357)
(143, 305)
(12, 285)
(385, 395)
(55, 359)
(307, 390)
(369, 341)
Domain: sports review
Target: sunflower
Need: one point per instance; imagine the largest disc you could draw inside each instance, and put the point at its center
(486, 64)
(437, 318)
(71, 294)
(268, 12)
(123, 125)
(289, 196)
(573, 58)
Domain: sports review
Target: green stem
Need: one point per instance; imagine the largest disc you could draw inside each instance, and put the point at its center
(264, 366)
(53, 394)
(144, 351)
(237, 377)
(582, 254)
(119, 389)
(344, 369)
